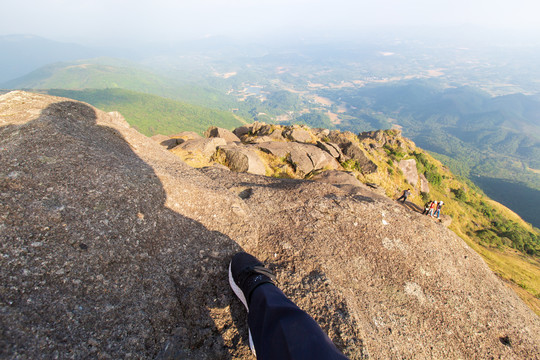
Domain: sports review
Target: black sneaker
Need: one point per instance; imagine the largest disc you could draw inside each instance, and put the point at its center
(245, 274)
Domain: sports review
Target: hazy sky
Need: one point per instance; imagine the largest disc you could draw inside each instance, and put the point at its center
(180, 19)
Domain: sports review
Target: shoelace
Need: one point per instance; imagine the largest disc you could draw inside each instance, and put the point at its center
(264, 271)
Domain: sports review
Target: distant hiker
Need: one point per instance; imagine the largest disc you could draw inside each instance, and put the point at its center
(405, 194)
(278, 329)
(426, 207)
(438, 211)
(432, 208)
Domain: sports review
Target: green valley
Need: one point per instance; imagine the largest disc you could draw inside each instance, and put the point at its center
(151, 114)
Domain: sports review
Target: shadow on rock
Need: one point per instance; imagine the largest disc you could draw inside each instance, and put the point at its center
(94, 264)
(411, 206)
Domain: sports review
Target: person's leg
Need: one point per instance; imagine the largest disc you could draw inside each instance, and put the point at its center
(281, 330)
(278, 328)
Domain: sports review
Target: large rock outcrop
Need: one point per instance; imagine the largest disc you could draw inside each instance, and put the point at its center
(332, 149)
(216, 132)
(409, 171)
(242, 159)
(205, 146)
(383, 137)
(424, 184)
(114, 248)
(297, 134)
(305, 158)
(352, 150)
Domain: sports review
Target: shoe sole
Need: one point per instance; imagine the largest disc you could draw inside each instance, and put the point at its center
(240, 294)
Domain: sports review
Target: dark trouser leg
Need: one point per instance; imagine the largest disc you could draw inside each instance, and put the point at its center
(281, 330)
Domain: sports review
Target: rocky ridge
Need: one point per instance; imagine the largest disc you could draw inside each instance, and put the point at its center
(292, 151)
(299, 152)
(112, 247)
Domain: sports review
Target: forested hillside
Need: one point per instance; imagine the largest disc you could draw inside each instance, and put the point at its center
(105, 73)
(508, 125)
(151, 114)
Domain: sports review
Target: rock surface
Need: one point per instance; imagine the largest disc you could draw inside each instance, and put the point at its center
(409, 171)
(241, 131)
(446, 220)
(242, 159)
(304, 157)
(424, 184)
(217, 132)
(354, 152)
(114, 248)
(332, 149)
(186, 135)
(261, 129)
(297, 134)
(383, 137)
(160, 138)
(205, 146)
(170, 142)
(337, 178)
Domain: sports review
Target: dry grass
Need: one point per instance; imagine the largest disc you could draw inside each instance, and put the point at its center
(194, 160)
(520, 272)
(276, 167)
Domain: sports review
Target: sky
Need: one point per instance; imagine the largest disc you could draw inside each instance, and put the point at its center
(167, 20)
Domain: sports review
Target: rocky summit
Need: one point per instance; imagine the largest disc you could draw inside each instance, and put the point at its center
(112, 247)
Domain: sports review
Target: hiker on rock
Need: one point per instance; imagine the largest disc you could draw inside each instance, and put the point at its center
(278, 329)
(404, 196)
(426, 207)
(432, 208)
(438, 211)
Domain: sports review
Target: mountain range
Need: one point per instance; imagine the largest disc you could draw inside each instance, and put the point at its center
(22, 54)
